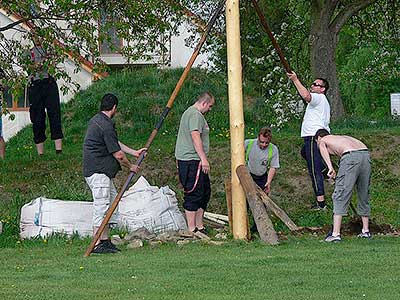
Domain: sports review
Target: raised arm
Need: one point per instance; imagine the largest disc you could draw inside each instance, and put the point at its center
(304, 93)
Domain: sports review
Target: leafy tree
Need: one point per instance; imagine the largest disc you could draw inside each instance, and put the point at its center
(70, 28)
(370, 71)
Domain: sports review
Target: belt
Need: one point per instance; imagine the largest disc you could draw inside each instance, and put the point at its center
(354, 151)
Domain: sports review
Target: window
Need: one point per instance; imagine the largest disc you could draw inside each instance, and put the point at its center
(111, 44)
(21, 103)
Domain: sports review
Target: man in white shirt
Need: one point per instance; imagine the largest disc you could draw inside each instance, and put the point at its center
(317, 116)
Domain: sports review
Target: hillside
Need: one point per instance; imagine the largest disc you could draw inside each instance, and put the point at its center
(143, 93)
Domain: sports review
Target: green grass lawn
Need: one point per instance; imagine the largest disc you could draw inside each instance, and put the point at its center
(299, 268)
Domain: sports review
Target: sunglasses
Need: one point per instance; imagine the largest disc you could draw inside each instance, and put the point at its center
(316, 84)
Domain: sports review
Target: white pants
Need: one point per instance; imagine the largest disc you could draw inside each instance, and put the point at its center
(103, 192)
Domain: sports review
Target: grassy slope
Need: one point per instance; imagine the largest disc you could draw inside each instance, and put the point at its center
(143, 94)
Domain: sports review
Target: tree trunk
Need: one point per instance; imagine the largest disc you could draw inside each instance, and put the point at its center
(323, 42)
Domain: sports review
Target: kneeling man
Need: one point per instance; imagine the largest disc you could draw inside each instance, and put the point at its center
(354, 170)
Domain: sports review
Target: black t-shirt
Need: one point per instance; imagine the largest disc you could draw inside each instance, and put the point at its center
(100, 143)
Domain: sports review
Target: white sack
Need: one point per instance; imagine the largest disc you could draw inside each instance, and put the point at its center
(150, 207)
(42, 217)
(141, 206)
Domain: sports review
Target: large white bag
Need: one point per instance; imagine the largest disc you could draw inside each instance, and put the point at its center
(42, 217)
(150, 207)
(141, 206)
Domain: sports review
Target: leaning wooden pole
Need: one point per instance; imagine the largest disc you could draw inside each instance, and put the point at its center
(157, 127)
(264, 224)
(236, 117)
(271, 36)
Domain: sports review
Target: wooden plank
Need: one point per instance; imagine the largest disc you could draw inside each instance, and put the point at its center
(264, 225)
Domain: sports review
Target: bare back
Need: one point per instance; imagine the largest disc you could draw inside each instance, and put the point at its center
(339, 144)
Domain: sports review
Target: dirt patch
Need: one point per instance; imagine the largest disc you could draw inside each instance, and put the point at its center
(353, 227)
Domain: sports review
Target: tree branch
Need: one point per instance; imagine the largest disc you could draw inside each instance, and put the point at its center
(347, 12)
(13, 24)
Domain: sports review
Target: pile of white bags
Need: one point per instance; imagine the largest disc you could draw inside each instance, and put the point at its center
(141, 206)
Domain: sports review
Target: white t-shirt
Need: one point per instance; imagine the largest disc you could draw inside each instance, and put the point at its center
(317, 115)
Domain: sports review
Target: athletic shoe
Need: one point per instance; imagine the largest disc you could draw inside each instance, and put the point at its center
(317, 207)
(332, 238)
(110, 245)
(365, 235)
(103, 248)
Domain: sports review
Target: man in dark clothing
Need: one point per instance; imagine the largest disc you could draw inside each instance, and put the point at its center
(103, 155)
(43, 97)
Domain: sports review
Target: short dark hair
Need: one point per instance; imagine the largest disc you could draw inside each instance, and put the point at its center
(205, 97)
(326, 83)
(321, 133)
(108, 101)
(265, 132)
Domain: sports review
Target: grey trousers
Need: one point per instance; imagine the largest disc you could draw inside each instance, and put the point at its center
(354, 170)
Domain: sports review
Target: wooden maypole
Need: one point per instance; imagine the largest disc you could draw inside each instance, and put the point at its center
(239, 210)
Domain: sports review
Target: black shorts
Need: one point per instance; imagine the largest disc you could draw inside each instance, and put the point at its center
(44, 97)
(260, 180)
(196, 195)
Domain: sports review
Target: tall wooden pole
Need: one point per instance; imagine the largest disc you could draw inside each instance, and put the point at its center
(236, 118)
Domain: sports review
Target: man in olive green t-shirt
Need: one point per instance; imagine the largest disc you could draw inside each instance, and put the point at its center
(191, 150)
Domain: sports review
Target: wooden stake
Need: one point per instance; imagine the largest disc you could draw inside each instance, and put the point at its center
(256, 192)
(228, 193)
(264, 225)
(236, 117)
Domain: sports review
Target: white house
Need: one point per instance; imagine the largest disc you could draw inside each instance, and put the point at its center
(177, 56)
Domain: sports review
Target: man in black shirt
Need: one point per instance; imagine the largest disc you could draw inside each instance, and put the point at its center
(103, 155)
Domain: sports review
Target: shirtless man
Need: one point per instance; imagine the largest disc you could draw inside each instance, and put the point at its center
(354, 169)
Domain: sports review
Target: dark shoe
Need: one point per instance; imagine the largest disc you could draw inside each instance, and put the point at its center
(102, 248)
(111, 245)
(365, 235)
(317, 207)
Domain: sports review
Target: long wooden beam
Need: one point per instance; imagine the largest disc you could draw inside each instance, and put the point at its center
(271, 36)
(264, 224)
(256, 192)
(236, 117)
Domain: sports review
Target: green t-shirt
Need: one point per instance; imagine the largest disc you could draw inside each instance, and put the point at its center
(191, 120)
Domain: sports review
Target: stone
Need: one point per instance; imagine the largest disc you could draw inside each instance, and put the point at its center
(116, 240)
(141, 233)
(185, 233)
(155, 243)
(221, 236)
(215, 243)
(134, 244)
(182, 242)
